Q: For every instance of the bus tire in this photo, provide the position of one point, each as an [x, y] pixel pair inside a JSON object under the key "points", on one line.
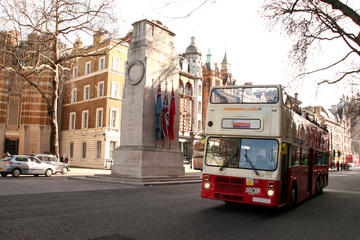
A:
{"points": [[293, 195]]}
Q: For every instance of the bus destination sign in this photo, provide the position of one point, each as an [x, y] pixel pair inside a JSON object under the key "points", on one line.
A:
{"points": [[241, 123]]}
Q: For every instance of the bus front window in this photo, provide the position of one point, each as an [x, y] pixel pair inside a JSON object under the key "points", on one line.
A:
{"points": [[269, 95], [245, 153]]}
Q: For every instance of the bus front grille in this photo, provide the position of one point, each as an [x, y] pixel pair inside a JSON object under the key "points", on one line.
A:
{"points": [[228, 197], [229, 184]]}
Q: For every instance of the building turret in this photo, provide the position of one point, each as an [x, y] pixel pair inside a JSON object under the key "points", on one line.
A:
{"points": [[193, 55], [225, 72], [208, 60]]}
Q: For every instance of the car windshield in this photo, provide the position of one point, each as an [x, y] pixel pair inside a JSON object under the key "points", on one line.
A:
{"points": [[245, 95], [245, 153]]}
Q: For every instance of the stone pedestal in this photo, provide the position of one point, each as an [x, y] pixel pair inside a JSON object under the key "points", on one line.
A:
{"points": [[152, 60]]}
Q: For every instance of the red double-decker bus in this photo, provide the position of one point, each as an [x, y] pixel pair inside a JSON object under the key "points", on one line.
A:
{"points": [[260, 150]]}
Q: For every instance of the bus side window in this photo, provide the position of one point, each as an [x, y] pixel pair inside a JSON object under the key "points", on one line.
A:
{"points": [[318, 158], [325, 158], [294, 156], [305, 156]]}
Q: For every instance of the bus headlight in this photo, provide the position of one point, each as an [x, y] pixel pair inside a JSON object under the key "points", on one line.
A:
{"points": [[270, 192], [207, 185]]}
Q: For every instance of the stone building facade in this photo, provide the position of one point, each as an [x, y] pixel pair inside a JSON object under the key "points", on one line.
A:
{"points": [[190, 91], [339, 128], [91, 109]]}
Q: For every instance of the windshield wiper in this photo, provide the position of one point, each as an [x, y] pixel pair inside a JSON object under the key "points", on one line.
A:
{"points": [[227, 162], [251, 164]]}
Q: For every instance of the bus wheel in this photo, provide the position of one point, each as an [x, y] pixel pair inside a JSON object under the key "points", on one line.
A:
{"points": [[293, 196], [319, 186]]}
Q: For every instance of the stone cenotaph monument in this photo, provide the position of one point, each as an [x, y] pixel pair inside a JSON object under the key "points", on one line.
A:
{"points": [[152, 60]]}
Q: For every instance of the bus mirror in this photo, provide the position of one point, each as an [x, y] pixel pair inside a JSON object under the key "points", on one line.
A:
{"points": [[283, 148]]}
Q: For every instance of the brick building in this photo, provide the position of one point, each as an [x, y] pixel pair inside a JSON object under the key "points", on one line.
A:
{"points": [[212, 76], [91, 110], [24, 122]]}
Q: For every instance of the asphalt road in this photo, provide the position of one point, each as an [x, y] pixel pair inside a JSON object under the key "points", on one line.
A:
{"points": [[61, 208]]}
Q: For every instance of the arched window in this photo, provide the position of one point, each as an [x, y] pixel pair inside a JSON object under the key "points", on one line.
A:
{"points": [[188, 89], [181, 87]]}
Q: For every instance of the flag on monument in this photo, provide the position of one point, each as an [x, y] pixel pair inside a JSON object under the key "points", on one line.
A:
{"points": [[157, 114], [165, 125], [172, 115]]}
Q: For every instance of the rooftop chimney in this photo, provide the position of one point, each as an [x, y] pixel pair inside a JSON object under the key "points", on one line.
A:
{"points": [[98, 37], [78, 43]]}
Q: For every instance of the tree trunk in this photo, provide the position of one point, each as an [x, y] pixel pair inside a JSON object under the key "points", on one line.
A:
{"points": [[54, 135]]}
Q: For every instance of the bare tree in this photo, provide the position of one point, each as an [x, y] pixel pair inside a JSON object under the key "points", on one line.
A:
{"points": [[319, 21], [43, 30]]}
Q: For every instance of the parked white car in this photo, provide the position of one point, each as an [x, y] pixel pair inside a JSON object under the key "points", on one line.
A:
{"points": [[61, 167], [17, 165]]}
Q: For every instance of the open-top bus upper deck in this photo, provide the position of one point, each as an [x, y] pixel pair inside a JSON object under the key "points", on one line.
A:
{"points": [[260, 111]]}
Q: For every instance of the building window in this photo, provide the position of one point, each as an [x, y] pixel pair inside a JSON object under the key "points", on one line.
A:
{"points": [[73, 95], [100, 91], [83, 155], [116, 64], [115, 87], [181, 87], [85, 119], [99, 117], [187, 105], [98, 149], [187, 123], [71, 150], [86, 92], [87, 67], [188, 89], [102, 63], [113, 117], [200, 90], [112, 149], [75, 72], [199, 126], [199, 107], [72, 121]]}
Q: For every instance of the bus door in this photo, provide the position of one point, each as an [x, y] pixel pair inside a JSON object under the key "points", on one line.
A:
{"points": [[284, 158], [311, 170]]}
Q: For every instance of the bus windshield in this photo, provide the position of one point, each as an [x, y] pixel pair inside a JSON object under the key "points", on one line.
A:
{"points": [[245, 153], [245, 95]]}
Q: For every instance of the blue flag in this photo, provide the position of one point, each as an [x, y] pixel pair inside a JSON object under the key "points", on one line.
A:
{"points": [[158, 113]]}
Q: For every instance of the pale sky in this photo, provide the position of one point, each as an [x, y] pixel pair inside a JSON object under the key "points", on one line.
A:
{"points": [[256, 54]]}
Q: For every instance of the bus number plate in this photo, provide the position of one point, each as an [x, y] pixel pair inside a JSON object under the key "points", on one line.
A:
{"points": [[252, 190]]}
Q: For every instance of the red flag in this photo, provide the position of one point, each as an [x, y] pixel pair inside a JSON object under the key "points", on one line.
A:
{"points": [[172, 115], [165, 116]]}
